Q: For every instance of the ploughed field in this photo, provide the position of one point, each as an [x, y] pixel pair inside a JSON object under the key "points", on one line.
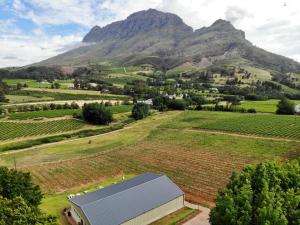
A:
{"points": [[200, 162]]}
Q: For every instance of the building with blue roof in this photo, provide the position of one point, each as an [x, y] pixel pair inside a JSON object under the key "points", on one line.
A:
{"points": [[138, 201]]}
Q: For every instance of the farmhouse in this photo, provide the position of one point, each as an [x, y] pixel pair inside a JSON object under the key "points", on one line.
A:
{"points": [[138, 201]]}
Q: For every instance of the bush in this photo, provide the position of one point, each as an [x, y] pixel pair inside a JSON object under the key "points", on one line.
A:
{"points": [[264, 194], [178, 104], [74, 105], [140, 111], [251, 110], [96, 113], [285, 107]]}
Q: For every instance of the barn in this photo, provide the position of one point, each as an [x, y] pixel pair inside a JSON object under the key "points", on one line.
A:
{"points": [[138, 201]]}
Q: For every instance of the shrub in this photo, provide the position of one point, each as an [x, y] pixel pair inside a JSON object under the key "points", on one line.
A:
{"points": [[140, 111], [96, 113], [285, 107], [178, 104], [264, 194], [74, 105], [251, 110]]}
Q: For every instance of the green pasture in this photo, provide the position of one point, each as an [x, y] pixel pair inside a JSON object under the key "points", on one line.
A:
{"points": [[35, 84], [268, 106]]}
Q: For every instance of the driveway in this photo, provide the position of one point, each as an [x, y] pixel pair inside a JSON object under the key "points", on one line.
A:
{"points": [[202, 218]]}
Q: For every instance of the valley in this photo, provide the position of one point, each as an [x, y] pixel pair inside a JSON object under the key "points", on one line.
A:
{"points": [[150, 94]]}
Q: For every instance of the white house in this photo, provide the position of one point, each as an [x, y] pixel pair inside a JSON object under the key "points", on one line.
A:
{"points": [[147, 102]]}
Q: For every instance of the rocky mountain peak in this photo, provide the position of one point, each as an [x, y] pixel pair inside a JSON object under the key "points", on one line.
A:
{"points": [[139, 22]]}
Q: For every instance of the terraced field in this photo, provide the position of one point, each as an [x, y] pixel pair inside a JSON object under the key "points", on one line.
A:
{"points": [[11, 130]]}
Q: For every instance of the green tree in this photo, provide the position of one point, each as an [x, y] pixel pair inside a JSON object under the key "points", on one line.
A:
{"points": [[285, 107], [55, 85], [17, 212], [20, 200], [97, 113], [266, 194], [14, 183], [140, 111], [178, 104]]}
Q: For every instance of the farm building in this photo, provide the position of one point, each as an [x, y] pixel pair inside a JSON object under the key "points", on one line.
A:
{"points": [[297, 109], [138, 201]]}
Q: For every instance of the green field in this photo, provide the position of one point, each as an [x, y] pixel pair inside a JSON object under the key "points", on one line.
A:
{"points": [[122, 79], [128, 69], [35, 84], [172, 143], [268, 106], [61, 94], [11, 130], [43, 114], [13, 99], [250, 124], [62, 112]]}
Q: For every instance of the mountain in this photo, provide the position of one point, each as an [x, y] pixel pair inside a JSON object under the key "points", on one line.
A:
{"points": [[164, 40]]}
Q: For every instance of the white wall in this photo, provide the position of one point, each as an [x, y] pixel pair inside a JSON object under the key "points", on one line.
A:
{"points": [[157, 213]]}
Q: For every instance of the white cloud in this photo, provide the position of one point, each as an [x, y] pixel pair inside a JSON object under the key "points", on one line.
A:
{"points": [[19, 50], [270, 24]]}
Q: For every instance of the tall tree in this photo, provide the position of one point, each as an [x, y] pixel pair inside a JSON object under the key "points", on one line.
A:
{"points": [[266, 194]]}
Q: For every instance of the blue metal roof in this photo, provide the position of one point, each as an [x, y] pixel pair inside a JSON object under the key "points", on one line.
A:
{"points": [[121, 202]]}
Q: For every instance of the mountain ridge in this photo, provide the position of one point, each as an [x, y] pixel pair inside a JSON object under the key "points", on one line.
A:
{"points": [[163, 39]]}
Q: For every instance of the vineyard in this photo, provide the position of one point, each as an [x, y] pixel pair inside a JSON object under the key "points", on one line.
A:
{"points": [[44, 114], [253, 124], [261, 125], [62, 112], [11, 130]]}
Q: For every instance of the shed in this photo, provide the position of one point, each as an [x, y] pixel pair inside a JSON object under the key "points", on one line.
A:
{"points": [[138, 201]]}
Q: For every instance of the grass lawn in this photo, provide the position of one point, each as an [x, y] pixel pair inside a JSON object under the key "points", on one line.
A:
{"points": [[177, 217], [268, 106]]}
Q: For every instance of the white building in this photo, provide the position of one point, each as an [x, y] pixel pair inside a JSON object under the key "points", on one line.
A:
{"points": [[297, 108]]}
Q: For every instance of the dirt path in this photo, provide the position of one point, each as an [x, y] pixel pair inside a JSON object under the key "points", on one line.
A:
{"points": [[202, 218]]}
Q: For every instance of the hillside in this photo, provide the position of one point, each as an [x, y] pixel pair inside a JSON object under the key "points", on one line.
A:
{"points": [[164, 40]]}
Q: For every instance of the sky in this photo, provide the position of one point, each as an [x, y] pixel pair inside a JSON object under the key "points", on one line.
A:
{"points": [[34, 30]]}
